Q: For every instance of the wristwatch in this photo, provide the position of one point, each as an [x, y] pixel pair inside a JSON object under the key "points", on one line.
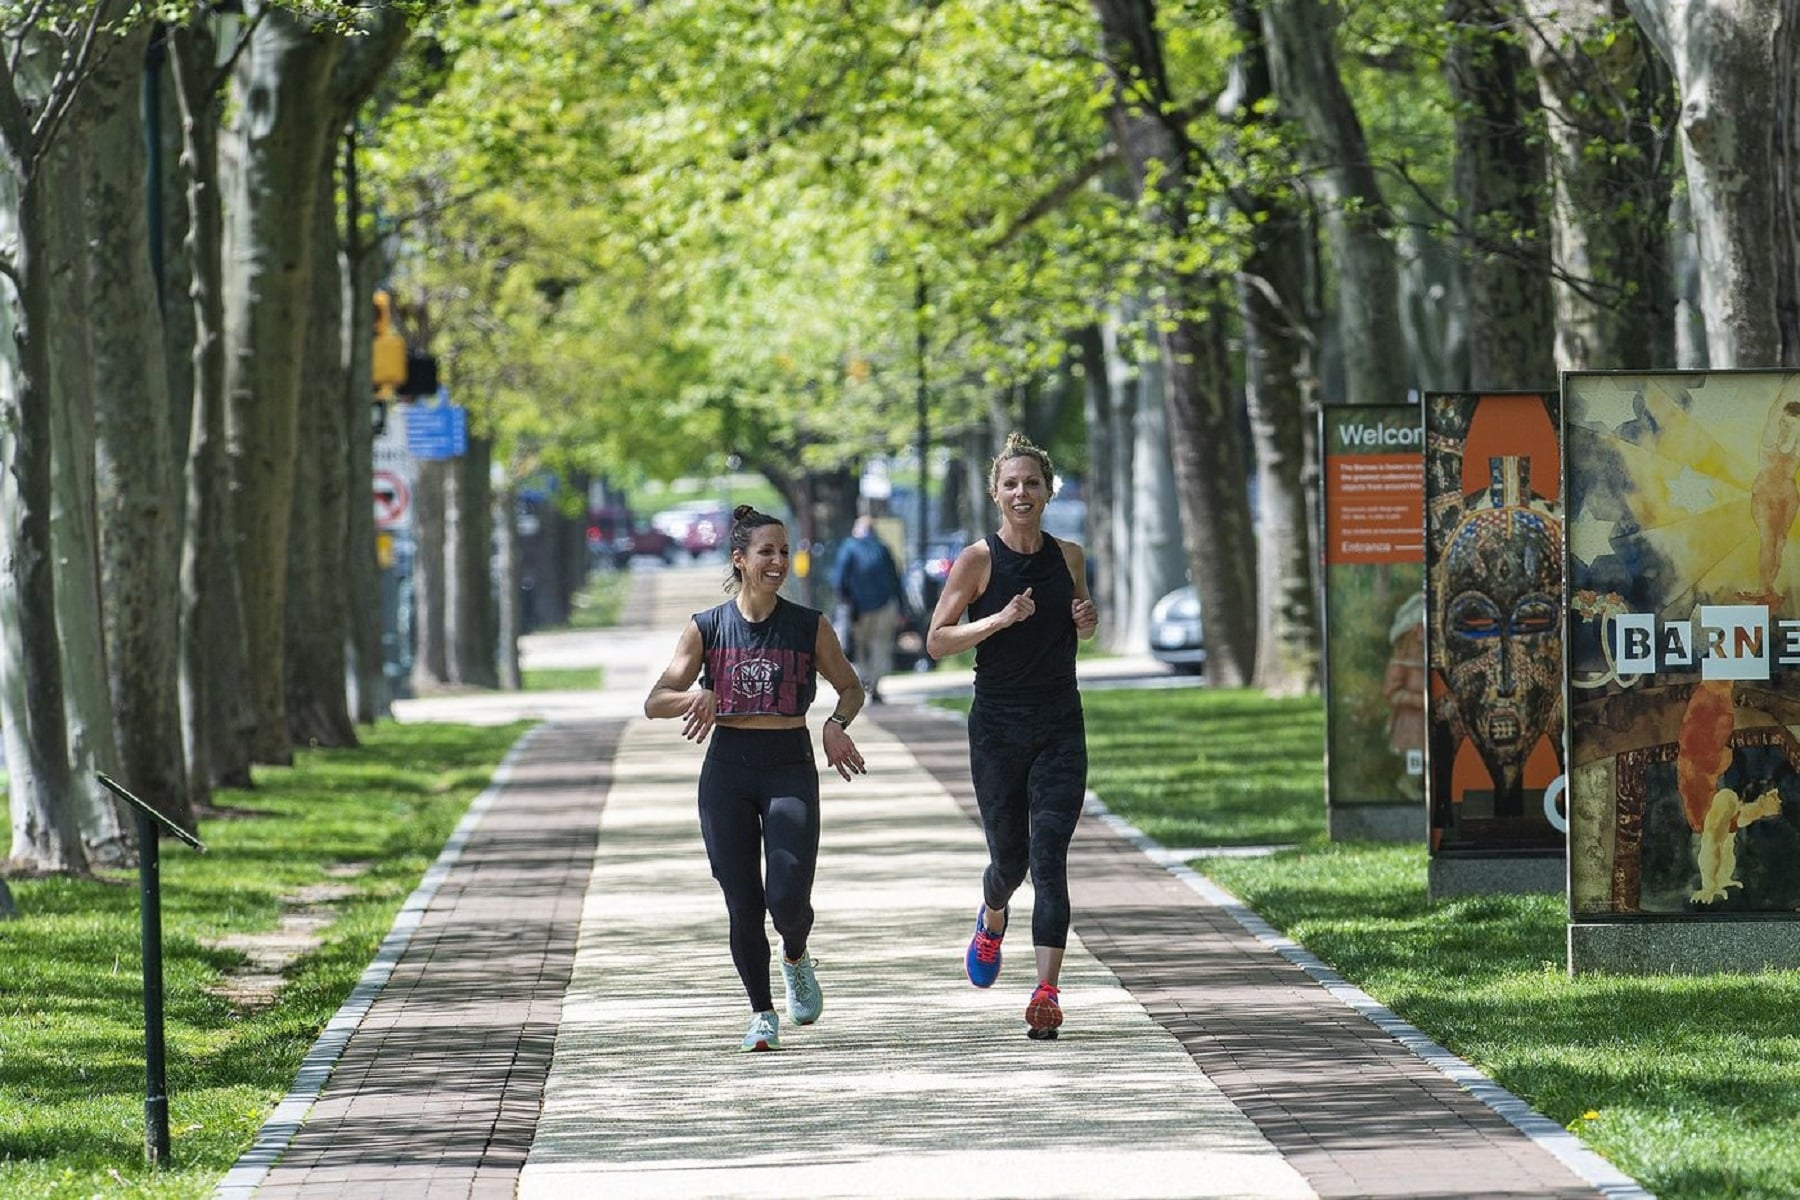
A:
{"points": [[843, 722]]}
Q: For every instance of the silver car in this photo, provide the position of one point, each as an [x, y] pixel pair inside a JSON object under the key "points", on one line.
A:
{"points": [[1175, 633]]}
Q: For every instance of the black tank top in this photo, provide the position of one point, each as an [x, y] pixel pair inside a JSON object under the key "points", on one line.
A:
{"points": [[762, 668], [1034, 660]]}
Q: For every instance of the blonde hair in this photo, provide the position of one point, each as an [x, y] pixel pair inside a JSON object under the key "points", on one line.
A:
{"points": [[1020, 446]]}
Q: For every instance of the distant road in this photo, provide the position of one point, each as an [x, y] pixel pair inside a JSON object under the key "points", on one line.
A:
{"points": [[659, 603]]}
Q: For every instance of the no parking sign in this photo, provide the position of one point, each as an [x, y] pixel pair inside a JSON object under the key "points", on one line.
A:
{"points": [[393, 501]]}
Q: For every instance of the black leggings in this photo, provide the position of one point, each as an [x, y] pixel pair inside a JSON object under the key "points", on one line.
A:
{"points": [[1029, 765], [759, 817]]}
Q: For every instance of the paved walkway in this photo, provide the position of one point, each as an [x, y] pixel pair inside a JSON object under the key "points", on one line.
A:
{"points": [[556, 1016]]}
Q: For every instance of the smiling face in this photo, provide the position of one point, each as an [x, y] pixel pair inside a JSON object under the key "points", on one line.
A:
{"points": [[762, 565], [1021, 488]]}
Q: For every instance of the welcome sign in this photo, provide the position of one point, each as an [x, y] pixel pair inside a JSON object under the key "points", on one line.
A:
{"points": [[1375, 683]]}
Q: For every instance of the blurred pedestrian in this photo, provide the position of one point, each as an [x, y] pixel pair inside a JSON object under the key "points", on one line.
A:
{"points": [[867, 580], [1025, 596], [757, 658]]}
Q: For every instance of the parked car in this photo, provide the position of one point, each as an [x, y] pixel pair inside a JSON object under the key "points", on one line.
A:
{"points": [[1175, 630], [706, 532], [644, 541], [924, 577]]}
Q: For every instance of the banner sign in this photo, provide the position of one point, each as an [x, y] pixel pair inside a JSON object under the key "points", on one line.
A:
{"points": [[1684, 643], [1493, 620], [1374, 486]]}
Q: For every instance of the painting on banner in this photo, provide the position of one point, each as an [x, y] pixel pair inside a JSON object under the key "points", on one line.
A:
{"points": [[1684, 643], [1493, 619], [1374, 480]]}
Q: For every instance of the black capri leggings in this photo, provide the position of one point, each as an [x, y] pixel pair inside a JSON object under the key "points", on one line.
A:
{"points": [[759, 817], [1029, 765]]}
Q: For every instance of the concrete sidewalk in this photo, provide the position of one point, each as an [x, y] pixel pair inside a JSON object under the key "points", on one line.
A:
{"points": [[912, 1083], [558, 1017]]}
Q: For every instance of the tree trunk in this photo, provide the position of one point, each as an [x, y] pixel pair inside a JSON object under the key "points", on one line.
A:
{"points": [[1281, 393], [1159, 561], [476, 637], [1787, 181], [218, 717], [46, 835], [1205, 444], [1724, 53], [134, 479], [367, 679], [506, 587], [430, 658], [1600, 86], [1500, 190], [277, 149], [1303, 64], [74, 525], [1210, 481], [318, 710], [362, 63], [1103, 483]]}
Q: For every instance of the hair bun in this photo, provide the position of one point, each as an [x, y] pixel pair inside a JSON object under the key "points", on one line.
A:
{"points": [[742, 511]]}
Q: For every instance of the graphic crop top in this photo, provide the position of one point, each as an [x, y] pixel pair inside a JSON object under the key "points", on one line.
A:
{"points": [[760, 668]]}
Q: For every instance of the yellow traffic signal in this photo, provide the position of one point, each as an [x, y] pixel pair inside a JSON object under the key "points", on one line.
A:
{"points": [[389, 370]]}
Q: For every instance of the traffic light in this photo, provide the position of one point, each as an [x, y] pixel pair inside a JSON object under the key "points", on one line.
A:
{"points": [[389, 370]]}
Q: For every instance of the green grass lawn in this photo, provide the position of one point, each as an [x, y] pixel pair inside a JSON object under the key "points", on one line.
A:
{"points": [[562, 679], [370, 820], [1690, 1085]]}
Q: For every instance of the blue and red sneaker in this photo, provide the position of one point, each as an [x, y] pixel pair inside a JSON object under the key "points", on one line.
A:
{"points": [[983, 959]]}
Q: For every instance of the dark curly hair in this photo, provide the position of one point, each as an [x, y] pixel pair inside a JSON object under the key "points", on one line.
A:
{"points": [[745, 521]]}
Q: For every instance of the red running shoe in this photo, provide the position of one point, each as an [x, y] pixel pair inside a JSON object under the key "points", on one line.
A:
{"points": [[1043, 1014]]}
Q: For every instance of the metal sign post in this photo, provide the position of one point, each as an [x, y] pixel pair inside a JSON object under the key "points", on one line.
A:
{"points": [[150, 825]]}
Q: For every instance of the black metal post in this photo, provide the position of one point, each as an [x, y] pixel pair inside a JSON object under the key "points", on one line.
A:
{"points": [[150, 825], [156, 1087], [924, 427]]}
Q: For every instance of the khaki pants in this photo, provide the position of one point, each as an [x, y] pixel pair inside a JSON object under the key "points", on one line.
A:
{"points": [[874, 644]]}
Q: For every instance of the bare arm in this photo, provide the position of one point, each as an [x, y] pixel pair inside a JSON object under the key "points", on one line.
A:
{"points": [[949, 634], [1087, 617], [840, 749], [670, 695]]}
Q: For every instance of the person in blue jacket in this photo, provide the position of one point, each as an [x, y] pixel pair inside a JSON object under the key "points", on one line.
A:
{"points": [[867, 581]]}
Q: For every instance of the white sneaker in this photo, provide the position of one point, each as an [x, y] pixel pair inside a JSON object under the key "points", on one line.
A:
{"points": [[764, 1033], [804, 1000]]}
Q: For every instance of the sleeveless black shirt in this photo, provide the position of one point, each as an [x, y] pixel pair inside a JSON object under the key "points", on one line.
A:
{"points": [[761, 668], [1033, 661]]}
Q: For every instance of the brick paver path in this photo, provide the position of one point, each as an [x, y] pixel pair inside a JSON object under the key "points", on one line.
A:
{"points": [[437, 1092]]}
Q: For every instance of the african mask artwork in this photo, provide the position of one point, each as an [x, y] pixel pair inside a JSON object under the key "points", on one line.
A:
{"points": [[1501, 617]]}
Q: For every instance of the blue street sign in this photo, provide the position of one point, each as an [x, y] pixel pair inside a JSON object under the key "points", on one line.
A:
{"points": [[437, 431]]}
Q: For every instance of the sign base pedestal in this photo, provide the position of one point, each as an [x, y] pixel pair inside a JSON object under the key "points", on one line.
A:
{"points": [[1495, 875], [1376, 822], [1690, 946]]}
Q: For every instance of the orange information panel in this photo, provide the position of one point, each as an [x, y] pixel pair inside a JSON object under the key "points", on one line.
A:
{"points": [[1377, 503]]}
